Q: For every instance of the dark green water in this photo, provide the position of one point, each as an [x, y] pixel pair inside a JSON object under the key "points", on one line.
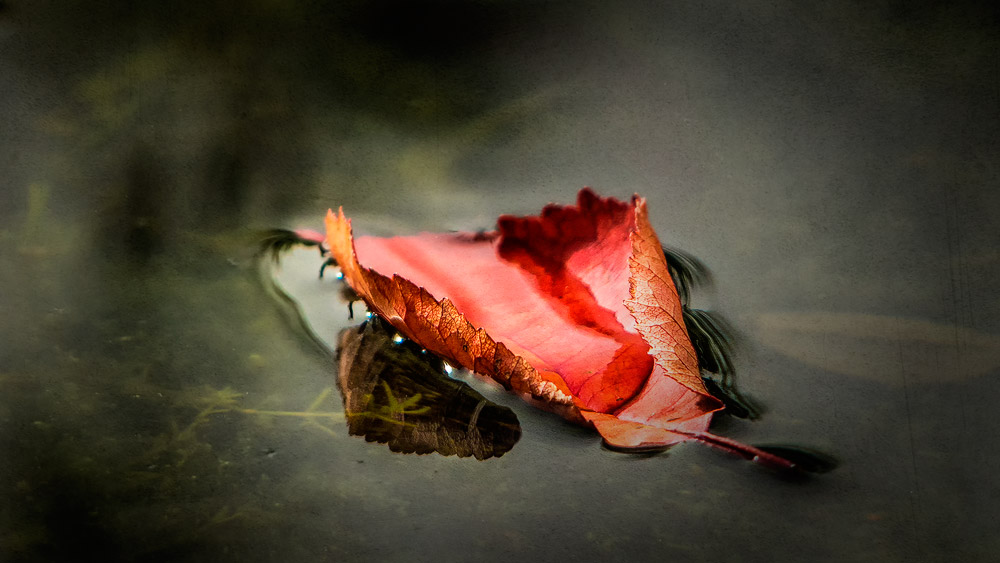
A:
{"points": [[836, 168]]}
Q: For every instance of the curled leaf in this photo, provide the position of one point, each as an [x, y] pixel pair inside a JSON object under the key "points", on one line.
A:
{"points": [[575, 309]]}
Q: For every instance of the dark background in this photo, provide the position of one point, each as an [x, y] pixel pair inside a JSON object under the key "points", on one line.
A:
{"points": [[835, 165]]}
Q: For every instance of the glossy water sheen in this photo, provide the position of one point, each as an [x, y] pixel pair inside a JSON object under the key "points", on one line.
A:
{"points": [[834, 167]]}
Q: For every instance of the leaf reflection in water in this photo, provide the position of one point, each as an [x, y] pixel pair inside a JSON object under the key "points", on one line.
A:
{"points": [[395, 394]]}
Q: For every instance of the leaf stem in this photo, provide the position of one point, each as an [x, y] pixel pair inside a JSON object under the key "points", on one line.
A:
{"points": [[745, 451]]}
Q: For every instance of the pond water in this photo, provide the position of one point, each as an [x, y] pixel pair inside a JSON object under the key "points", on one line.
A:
{"points": [[835, 168]]}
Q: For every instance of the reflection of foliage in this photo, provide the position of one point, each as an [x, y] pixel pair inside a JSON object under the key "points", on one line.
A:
{"points": [[397, 394], [182, 444], [393, 411], [310, 415], [32, 239], [169, 127], [125, 404], [202, 108]]}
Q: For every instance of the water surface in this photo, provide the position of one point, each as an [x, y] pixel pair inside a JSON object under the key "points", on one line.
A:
{"points": [[835, 168]]}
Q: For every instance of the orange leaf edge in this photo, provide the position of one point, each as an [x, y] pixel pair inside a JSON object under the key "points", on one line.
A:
{"points": [[647, 266], [415, 313]]}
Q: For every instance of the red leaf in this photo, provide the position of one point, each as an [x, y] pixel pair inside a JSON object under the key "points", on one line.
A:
{"points": [[574, 308]]}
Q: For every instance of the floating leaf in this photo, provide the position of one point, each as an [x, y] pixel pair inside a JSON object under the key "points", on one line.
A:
{"points": [[574, 309]]}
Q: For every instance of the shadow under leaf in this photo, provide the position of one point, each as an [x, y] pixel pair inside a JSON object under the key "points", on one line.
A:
{"points": [[396, 394]]}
